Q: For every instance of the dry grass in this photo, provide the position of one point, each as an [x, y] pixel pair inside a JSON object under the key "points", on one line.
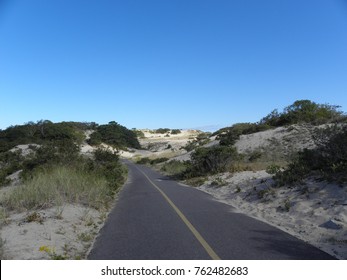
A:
{"points": [[57, 186]]}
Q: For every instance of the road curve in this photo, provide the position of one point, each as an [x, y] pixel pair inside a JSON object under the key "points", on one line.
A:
{"points": [[157, 218]]}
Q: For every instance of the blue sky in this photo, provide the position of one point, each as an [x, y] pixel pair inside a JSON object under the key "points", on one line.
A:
{"points": [[168, 63]]}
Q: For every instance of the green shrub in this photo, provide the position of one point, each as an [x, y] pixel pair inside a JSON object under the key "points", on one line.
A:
{"points": [[329, 159], [162, 130], [176, 131], [41, 132], [9, 163], [158, 160], [106, 164], [59, 152], [273, 169], [211, 160], [144, 160], [115, 135], [303, 111], [95, 139], [190, 146], [229, 136], [201, 139], [175, 168]]}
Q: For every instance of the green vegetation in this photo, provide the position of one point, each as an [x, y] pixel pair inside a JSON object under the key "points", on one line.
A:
{"points": [[55, 172], [139, 133], [144, 160], [228, 136], [162, 130], [303, 111], [201, 139], [176, 131], [114, 135], [9, 163], [56, 186], [211, 160], [147, 160], [204, 161], [85, 181], [107, 164], [42, 132], [175, 168], [88, 183], [328, 160], [62, 152]]}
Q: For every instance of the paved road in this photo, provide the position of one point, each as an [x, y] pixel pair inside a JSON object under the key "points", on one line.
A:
{"points": [[157, 218]]}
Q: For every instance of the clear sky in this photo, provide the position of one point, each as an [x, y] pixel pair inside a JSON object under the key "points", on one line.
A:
{"points": [[168, 63]]}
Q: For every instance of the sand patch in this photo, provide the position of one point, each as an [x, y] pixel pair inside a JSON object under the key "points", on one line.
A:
{"points": [[66, 231]]}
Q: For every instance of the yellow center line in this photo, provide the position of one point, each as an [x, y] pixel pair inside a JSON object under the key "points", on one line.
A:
{"points": [[197, 235]]}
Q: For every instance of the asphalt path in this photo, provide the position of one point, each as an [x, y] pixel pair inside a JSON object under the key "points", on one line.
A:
{"points": [[156, 218]]}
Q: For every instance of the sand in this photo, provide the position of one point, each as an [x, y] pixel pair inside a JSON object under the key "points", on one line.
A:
{"points": [[161, 145], [66, 231]]}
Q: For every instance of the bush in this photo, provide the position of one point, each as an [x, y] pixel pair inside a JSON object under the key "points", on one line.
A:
{"points": [[60, 152], [162, 130], [329, 159], [176, 168], [190, 146], [95, 139], [176, 131], [229, 136], [114, 135], [211, 160], [9, 163], [158, 160], [144, 160], [303, 111], [147, 160], [106, 163], [40, 133], [201, 139], [273, 169]]}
